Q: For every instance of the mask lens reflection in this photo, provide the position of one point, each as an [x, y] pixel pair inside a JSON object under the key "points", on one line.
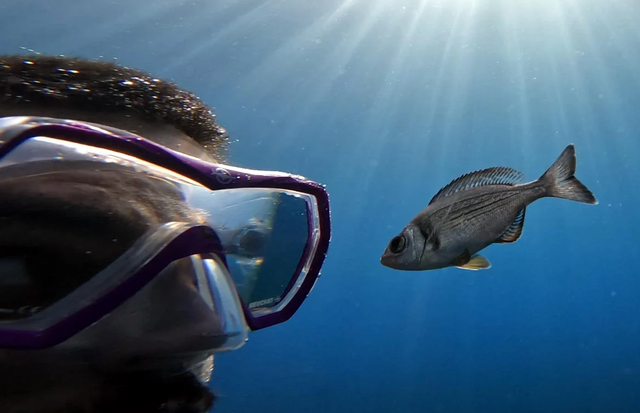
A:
{"points": [[264, 233]]}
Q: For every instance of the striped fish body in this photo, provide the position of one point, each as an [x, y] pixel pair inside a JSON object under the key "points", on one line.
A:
{"points": [[477, 210], [467, 222]]}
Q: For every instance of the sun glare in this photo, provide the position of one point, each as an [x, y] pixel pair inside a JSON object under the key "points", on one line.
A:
{"points": [[415, 73]]}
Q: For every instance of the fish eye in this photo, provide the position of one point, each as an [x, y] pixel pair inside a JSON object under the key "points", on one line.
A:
{"points": [[397, 244]]}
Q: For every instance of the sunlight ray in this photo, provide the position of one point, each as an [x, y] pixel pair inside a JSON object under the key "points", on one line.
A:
{"points": [[517, 55], [233, 29], [133, 17], [321, 79], [584, 91], [601, 94], [417, 42], [450, 96], [281, 63]]}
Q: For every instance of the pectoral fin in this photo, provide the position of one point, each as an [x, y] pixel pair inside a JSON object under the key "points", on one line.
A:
{"points": [[477, 262], [514, 231]]}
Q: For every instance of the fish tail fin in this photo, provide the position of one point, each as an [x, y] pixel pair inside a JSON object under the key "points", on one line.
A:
{"points": [[560, 182]]}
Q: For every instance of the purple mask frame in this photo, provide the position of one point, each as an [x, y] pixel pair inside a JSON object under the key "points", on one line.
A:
{"points": [[212, 176]]}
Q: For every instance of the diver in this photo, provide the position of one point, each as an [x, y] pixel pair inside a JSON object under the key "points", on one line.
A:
{"points": [[117, 284]]}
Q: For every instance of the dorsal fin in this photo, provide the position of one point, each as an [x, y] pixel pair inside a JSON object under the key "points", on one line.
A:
{"points": [[500, 175], [514, 231]]}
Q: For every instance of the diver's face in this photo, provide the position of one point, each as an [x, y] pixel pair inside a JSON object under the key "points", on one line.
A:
{"points": [[71, 222]]}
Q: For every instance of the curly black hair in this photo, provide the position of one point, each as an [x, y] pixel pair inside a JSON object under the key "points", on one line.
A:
{"points": [[99, 86]]}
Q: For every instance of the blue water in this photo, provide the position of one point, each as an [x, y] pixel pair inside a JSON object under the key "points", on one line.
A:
{"points": [[385, 101]]}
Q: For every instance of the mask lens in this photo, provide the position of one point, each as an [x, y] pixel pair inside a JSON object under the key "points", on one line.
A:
{"points": [[265, 234]]}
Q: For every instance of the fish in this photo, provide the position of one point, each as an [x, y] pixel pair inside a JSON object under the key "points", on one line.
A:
{"points": [[476, 210]]}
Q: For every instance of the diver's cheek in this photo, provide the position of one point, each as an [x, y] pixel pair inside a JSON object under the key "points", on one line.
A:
{"points": [[166, 318]]}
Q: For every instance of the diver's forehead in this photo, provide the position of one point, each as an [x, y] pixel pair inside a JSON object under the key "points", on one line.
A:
{"points": [[156, 131]]}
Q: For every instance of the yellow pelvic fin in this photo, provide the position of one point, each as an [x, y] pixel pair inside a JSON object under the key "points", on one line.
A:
{"points": [[477, 262]]}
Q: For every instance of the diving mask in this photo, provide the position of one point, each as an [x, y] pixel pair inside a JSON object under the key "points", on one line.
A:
{"points": [[253, 241]]}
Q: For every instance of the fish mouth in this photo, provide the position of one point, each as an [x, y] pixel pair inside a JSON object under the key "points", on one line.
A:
{"points": [[387, 259]]}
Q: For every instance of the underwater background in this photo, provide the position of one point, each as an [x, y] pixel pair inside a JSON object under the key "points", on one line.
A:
{"points": [[385, 102]]}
